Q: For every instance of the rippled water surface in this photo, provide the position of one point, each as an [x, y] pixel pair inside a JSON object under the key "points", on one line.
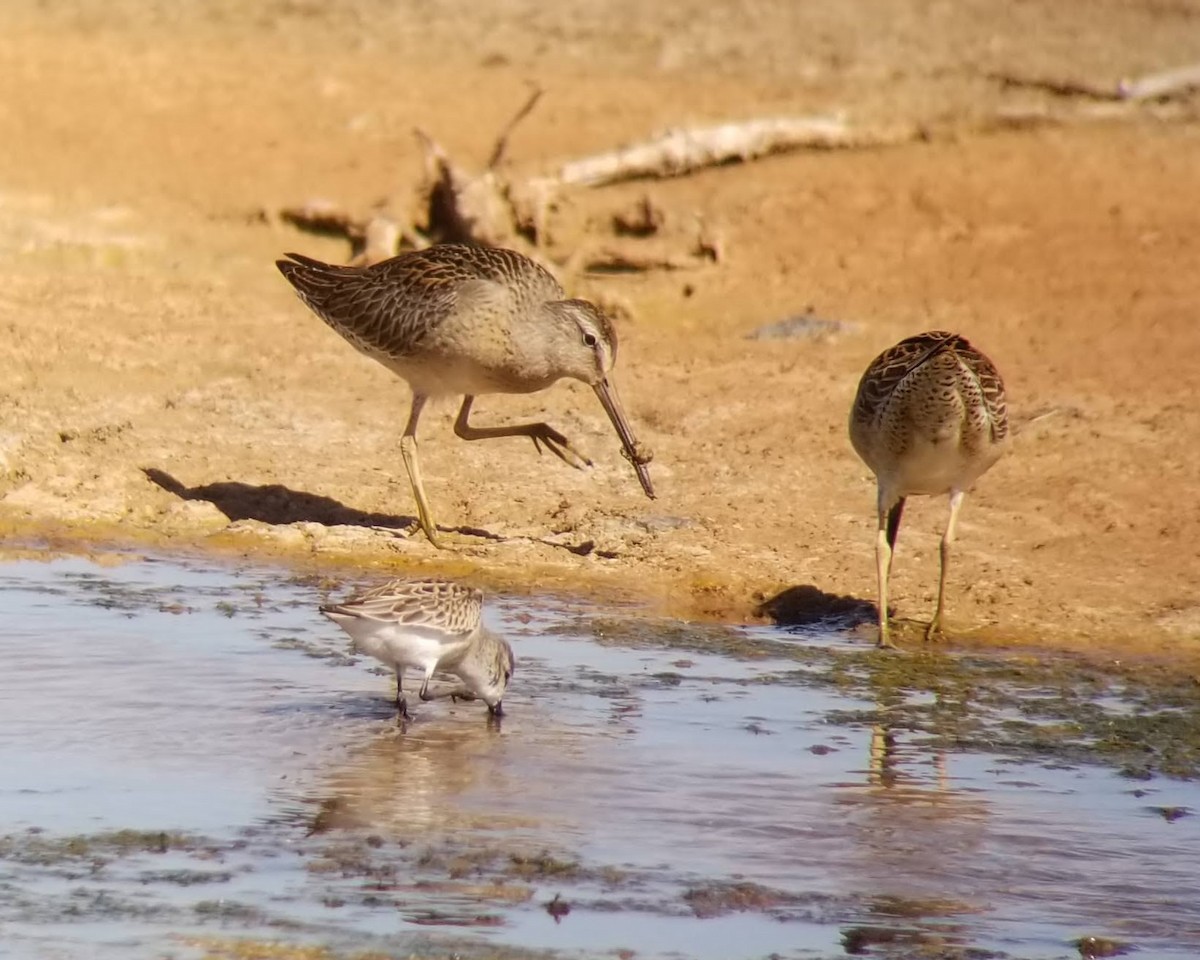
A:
{"points": [[191, 757]]}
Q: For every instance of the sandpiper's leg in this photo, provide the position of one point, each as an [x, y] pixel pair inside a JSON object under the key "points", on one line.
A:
{"points": [[453, 693], [935, 625], [401, 703], [539, 433], [408, 447], [885, 547], [425, 694], [893, 531]]}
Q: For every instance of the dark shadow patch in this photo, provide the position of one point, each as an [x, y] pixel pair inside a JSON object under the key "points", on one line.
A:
{"points": [[279, 505], [366, 706], [275, 503], [808, 605]]}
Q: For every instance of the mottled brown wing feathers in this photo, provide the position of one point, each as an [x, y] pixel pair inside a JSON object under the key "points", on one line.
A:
{"points": [[390, 307], [991, 386], [896, 364], [440, 604], [890, 368]]}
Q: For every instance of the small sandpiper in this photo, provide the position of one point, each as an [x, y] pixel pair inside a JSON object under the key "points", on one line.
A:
{"points": [[431, 625]]}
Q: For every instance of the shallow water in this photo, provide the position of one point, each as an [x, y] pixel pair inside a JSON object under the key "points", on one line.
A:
{"points": [[687, 791]]}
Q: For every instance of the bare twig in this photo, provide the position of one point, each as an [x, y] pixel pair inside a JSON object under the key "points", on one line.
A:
{"points": [[678, 152], [502, 140], [643, 219], [636, 258], [1153, 86], [1022, 422], [1029, 117], [1060, 86], [1157, 85], [463, 208], [710, 240], [322, 217], [380, 240]]}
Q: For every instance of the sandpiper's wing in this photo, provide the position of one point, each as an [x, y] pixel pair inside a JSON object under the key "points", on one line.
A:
{"points": [[958, 363], [390, 308], [892, 367], [450, 609]]}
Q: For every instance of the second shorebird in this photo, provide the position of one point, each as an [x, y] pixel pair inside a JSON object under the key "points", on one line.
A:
{"points": [[930, 417], [430, 625], [463, 319]]}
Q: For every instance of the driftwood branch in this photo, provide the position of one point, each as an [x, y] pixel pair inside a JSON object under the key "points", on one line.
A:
{"points": [[681, 151], [322, 217], [1059, 86], [1155, 86], [496, 209], [372, 238], [636, 258], [1035, 116], [501, 144], [463, 208]]}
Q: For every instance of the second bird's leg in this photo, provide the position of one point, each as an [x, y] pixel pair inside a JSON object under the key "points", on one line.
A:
{"points": [[885, 549], [893, 531], [408, 448], [401, 703], [454, 693], [935, 625], [539, 433], [424, 693]]}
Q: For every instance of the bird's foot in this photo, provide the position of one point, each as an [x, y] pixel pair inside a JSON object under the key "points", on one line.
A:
{"points": [[557, 444], [431, 534]]}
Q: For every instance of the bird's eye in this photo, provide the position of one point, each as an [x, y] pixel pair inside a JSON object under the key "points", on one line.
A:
{"points": [[589, 339]]}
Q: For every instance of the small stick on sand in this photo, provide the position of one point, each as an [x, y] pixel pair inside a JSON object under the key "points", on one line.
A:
{"points": [[1155, 86], [681, 151]]}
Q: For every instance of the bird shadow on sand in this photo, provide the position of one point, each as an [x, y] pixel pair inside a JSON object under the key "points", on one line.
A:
{"points": [[809, 605], [279, 505], [275, 504]]}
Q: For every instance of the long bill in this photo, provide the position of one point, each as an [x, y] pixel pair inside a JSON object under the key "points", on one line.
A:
{"points": [[635, 453]]}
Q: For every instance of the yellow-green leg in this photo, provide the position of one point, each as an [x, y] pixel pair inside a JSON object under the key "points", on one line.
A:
{"points": [[885, 549], [408, 448], [935, 625], [539, 433]]}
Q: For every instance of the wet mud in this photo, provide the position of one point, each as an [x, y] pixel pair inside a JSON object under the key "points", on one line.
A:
{"points": [[196, 765]]}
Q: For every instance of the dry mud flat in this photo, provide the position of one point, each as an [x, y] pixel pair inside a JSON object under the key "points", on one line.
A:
{"points": [[164, 388]]}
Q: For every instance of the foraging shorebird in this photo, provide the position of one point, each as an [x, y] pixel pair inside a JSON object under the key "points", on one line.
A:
{"points": [[463, 319], [430, 625], [930, 417]]}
